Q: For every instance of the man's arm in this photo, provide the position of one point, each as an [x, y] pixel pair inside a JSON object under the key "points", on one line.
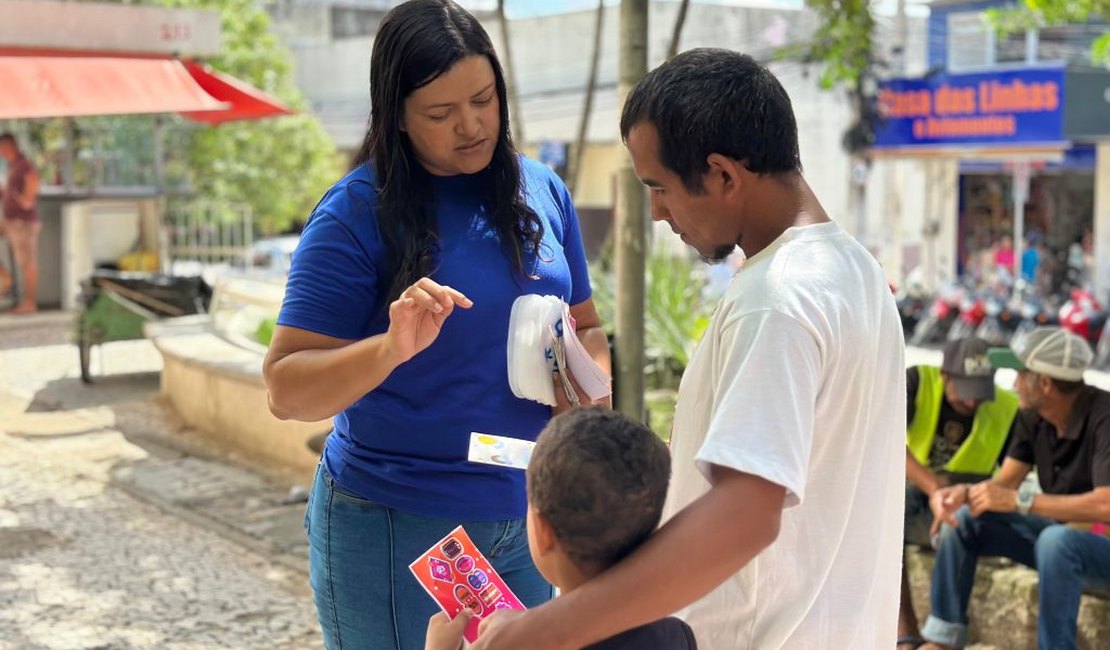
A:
{"points": [[1013, 472], [922, 477], [999, 494], [705, 544], [30, 191], [1080, 508], [946, 501], [1092, 506]]}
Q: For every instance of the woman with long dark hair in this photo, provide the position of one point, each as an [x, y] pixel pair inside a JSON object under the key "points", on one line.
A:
{"points": [[395, 322]]}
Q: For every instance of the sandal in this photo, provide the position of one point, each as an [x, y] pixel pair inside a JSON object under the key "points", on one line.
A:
{"points": [[911, 641]]}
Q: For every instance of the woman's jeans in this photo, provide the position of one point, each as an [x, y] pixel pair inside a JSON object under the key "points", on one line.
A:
{"points": [[359, 556], [1066, 560]]}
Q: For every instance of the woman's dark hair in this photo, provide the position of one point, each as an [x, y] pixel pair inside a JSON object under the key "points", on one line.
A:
{"points": [[417, 42]]}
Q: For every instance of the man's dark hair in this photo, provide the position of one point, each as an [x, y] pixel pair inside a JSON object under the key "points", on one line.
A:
{"points": [[9, 138], [707, 101], [600, 480]]}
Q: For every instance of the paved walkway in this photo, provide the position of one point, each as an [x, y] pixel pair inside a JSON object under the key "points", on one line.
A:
{"points": [[118, 530]]}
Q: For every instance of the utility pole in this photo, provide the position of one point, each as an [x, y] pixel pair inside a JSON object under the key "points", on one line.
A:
{"points": [[510, 78], [631, 227], [575, 171], [894, 170]]}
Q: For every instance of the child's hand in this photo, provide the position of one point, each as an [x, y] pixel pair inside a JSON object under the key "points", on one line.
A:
{"points": [[447, 634]]}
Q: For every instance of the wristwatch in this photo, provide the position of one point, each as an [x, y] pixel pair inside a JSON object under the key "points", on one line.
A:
{"points": [[1025, 501]]}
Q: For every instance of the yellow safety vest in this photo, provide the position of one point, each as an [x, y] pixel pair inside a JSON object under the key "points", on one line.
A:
{"points": [[980, 451]]}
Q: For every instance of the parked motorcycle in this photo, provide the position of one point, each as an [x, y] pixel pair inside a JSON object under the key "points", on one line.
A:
{"points": [[1102, 351], [999, 321], [943, 312], [911, 309], [1083, 315], [972, 313], [1035, 312]]}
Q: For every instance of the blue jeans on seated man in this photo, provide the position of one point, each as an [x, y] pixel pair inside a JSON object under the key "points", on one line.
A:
{"points": [[1066, 560], [359, 556]]}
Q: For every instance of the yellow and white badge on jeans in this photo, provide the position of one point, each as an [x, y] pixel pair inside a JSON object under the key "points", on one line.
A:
{"points": [[500, 450]]}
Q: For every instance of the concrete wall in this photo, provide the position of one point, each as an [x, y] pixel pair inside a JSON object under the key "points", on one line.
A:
{"points": [[217, 389], [1004, 605], [597, 183]]}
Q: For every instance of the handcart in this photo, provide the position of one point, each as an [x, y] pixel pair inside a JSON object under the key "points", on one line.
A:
{"points": [[117, 305]]}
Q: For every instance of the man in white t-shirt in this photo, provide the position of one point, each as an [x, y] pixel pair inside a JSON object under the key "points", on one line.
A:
{"points": [[786, 504]]}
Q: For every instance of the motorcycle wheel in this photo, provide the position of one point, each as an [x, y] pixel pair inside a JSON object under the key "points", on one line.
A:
{"points": [[924, 330], [960, 329]]}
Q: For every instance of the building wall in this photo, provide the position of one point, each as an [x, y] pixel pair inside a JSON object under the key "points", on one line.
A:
{"points": [[550, 68]]}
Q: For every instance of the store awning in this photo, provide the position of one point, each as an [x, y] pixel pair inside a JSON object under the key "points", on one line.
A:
{"points": [[62, 86], [246, 102]]}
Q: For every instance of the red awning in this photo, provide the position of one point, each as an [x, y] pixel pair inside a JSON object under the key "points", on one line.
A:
{"points": [[73, 86], [247, 102]]}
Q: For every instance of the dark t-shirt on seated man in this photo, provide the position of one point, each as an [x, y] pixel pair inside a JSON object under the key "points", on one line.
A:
{"points": [[1075, 463], [952, 430]]}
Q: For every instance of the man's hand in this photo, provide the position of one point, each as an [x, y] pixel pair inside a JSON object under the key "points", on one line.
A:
{"points": [[989, 496], [495, 628], [447, 634], [944, 503]]}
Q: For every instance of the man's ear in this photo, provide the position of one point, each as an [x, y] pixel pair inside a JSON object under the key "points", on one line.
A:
{"points": [[727, 175]]}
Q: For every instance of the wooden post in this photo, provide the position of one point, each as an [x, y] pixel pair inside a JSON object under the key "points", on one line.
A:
{"points": [[631, 227]]}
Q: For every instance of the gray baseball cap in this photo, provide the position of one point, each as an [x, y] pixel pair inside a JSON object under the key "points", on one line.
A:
{"points": [[968, 369], [1051, 351]]}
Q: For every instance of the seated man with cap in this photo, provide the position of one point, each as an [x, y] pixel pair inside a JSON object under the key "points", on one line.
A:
{"points": [[958, 423], [1064, 430]]}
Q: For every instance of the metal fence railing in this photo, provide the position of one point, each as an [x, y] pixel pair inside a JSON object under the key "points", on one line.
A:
{"points": [[204, 234]]}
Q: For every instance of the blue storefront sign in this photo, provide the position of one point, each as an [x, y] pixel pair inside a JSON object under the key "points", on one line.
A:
{"points": [[997, 108]]}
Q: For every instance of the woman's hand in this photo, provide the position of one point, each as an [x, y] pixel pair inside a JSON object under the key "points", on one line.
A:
{"points": [[562, 401], [417, 316]]}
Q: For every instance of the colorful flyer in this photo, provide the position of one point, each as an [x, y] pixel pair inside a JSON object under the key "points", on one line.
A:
{"points": [[457, 576], [499, 450]]}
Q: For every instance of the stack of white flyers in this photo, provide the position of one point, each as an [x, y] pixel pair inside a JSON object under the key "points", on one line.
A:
{"points": [[541, 340]]}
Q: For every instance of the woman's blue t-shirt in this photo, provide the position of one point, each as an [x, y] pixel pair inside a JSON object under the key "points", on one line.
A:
{"points": [[404, 444]]}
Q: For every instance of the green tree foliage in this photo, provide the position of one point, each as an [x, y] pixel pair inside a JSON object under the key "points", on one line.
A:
{"points": [[843, 46], [677, 313], [1032, 14], [843, 43], [280, 166]]}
